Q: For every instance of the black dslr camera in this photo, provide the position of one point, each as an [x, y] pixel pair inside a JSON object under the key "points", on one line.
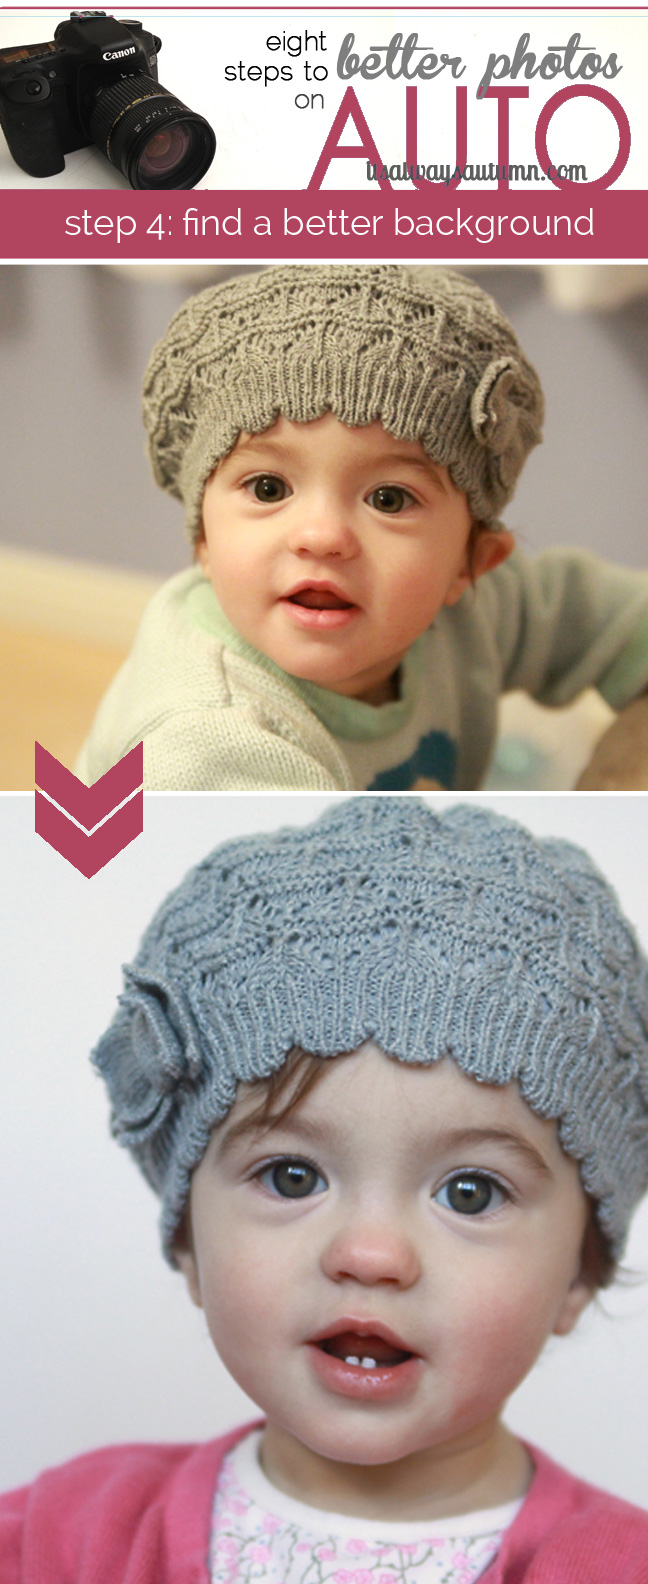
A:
{"points": [[96, 82]]}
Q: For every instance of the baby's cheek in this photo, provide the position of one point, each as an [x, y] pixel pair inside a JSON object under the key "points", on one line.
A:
{"points": [[235, 575], [230, 1314], [416, 595], [491, 1358], [516, 1330], [238, 1300]]}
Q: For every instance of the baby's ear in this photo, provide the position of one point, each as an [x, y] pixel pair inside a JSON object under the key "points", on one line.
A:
{"points": [[486, 550], [201, 553], [491, 546], [575, 1301], [186, 1260]]}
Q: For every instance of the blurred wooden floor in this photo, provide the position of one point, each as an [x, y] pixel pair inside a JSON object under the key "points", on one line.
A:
{"points": [[65, 628], [51, 687]]}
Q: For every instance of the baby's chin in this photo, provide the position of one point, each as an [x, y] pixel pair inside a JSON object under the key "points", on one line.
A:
{"points": [[377, 684], [383, 692], [367, 1440]]}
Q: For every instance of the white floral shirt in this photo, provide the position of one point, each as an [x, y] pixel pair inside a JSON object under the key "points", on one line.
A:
{"points": [[261, 1536]]}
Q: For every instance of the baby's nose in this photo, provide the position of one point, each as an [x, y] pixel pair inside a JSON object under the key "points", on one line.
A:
{"points": [[371, 1251], [323, 530]]}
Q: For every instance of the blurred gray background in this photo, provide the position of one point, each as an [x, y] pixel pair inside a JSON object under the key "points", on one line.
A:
{"points": [[75, 340]]}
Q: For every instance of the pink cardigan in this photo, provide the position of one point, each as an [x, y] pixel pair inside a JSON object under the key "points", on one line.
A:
{"points": [[141, 1515]]}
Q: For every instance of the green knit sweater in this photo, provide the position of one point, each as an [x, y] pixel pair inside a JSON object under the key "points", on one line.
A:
{"points": [[215, 714]]}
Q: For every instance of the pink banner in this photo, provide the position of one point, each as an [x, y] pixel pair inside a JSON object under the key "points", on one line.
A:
{"points": [[89, 851], [431, 222], [88, 805]]}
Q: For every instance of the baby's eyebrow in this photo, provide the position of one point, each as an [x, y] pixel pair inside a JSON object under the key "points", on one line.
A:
{"points": [[265, 445], [310, 1131], [256, 444], [422, 464], [254, 1126], [460, 1138]]}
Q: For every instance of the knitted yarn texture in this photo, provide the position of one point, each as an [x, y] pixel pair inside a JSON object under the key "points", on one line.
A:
{"points": [[433, 934], [425, 351]]}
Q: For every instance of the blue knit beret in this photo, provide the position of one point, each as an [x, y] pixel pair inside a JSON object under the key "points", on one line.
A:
{"points": [[453, 933]]}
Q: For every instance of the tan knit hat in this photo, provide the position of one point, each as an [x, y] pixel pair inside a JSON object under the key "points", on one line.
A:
{"points": [[423, 350]]}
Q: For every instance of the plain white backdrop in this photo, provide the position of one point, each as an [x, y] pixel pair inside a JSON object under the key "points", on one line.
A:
{"points": [[99, 1341]]}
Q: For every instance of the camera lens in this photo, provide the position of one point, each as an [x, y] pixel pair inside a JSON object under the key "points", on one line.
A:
{"points": [[165, 152], [149, 135]]}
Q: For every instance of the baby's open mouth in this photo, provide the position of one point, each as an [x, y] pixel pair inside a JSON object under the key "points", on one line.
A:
{"points": [[369, 1352], [319, 599]]}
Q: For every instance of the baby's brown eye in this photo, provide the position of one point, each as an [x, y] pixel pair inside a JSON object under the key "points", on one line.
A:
{"points": [[292, 1179], [470, 1193], [390, 498], [267, 487]]}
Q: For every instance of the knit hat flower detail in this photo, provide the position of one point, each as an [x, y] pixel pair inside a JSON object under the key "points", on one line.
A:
{"points": [[166, 1057], [501, 422]]}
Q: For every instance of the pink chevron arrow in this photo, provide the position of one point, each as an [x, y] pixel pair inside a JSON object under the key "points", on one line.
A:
{"points": [[89, 825]]}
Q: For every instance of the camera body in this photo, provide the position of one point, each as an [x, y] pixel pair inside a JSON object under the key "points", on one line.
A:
{"points": [[48, 91], [96, 82]]}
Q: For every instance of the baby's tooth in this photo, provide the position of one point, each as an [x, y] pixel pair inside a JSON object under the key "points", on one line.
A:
{"points": [[352, 1359], [368, 1363]]}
